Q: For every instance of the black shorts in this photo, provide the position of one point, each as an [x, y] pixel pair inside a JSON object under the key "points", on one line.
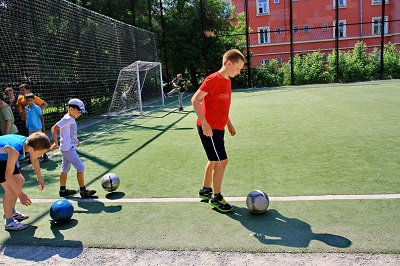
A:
{"points": [[3, 166], [215, 145]]}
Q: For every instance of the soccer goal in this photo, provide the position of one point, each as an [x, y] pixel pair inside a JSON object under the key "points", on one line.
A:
{"points": [[139, 86]]}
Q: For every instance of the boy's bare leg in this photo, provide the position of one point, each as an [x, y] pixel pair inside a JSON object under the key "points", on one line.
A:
{"points": [[63, 179], [208, 174], [218, 174], [10, 198], [81, 180]]}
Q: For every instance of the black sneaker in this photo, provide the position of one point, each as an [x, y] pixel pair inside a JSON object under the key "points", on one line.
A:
{"points": [[88, 193], [205, 194], [220, 205], [67, 192]]}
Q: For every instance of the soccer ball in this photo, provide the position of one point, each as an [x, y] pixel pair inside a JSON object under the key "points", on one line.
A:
{"points": [[61, 211], [110, 182], [257, 201]]}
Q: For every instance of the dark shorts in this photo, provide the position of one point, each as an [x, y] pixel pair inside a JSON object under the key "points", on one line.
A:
{"points": [[3, 166], [215, 145]]}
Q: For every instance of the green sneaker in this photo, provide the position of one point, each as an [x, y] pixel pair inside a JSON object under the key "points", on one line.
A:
{"points": [[220, 205], [205, 194]]}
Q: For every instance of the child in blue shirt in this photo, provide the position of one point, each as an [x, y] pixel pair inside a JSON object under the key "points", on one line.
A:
{"points": [[13, 148], [34, 118]]}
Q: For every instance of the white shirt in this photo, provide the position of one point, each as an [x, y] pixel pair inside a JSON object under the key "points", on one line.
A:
{"points": [[68, 132]]}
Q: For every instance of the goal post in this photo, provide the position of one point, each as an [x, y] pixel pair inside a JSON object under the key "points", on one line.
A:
{"points": [[139, 85]]}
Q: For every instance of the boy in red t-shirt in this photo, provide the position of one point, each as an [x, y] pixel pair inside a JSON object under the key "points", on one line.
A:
{"points": [[211, 103]]}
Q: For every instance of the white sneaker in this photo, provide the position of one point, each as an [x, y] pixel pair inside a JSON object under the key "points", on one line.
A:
{"points": [[15, 226], [20, 216]]}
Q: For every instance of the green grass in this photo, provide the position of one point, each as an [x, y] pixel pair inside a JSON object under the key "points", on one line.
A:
{"points": [[308, 140]]}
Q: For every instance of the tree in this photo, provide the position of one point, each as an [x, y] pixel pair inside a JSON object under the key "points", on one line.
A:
{"points": [[197, 33]]}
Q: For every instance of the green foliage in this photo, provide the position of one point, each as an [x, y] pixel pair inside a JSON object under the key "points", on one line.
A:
{"points": [[269, 75], [318, 68]]}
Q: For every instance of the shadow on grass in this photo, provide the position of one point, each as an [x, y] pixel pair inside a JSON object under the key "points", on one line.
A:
{"points": [[42, 248], [272, 228], [97, 207]]}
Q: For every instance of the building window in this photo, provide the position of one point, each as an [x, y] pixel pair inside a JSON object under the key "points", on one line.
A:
{"points": [[376, 26], [264, 62], [227, 11], [296, 29], [325, 27], [342, 3], [342, 28], [278, 31], [262, 7], [379, 1], [263, 35], [306, 28], [279, 61], [276, 1]]}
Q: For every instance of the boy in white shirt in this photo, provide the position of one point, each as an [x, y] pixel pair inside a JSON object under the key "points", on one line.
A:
{"points": [[68, 139]]}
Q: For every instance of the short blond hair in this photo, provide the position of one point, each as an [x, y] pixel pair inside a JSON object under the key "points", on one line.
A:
{"points": [[233, 55]]}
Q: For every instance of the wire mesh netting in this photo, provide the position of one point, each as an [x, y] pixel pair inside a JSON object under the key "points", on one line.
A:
{"points": [[64, 51]]}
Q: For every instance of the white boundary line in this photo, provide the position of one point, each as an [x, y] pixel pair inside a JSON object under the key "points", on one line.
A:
{"points": [[177, 200]]}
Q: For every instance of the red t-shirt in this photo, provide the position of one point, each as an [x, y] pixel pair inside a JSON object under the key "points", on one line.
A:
{"points": [[216, 103]]}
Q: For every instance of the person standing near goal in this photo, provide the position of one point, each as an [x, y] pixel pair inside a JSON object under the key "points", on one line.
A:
{"points": [[179, 86], [211, 103], [69, 141]]}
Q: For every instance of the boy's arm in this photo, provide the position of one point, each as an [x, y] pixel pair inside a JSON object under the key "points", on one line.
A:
{"points": [[36, 166], [196, 102], [42, 119], [54, 130], [11, 161], [8, 126], [231, 129]]}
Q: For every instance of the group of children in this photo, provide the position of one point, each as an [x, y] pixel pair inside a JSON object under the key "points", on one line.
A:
{"points": [[14, 147], [211, 103]]}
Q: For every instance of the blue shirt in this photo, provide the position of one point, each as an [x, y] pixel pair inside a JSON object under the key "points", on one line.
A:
{"points": [[16, 142], [33, 121]]}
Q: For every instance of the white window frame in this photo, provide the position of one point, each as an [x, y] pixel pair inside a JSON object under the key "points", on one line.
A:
{"points": [[226, 9], [264, 61], [276, 1], [264, 36], [342, 28], [296, 29], [278, 31], [375, 2], [325, 27], [279, 61], [306, 28], [376, 25], [262, 7], [342, 3]]}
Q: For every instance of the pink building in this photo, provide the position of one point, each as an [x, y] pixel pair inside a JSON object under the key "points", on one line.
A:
{"points": [[314, 26]]}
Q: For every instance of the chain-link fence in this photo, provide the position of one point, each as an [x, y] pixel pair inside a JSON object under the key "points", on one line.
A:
{"points": [[64, 51]]}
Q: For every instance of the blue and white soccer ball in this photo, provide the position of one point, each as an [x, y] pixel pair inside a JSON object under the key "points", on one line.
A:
{"points": [[257, 201], [110, 182]]}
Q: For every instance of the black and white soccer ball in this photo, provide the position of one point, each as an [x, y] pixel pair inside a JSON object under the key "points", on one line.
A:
{"points": [[257, 201], [110, 182]]}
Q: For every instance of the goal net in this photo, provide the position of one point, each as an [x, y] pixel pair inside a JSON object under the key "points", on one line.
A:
{"points": [[139, 86]]}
